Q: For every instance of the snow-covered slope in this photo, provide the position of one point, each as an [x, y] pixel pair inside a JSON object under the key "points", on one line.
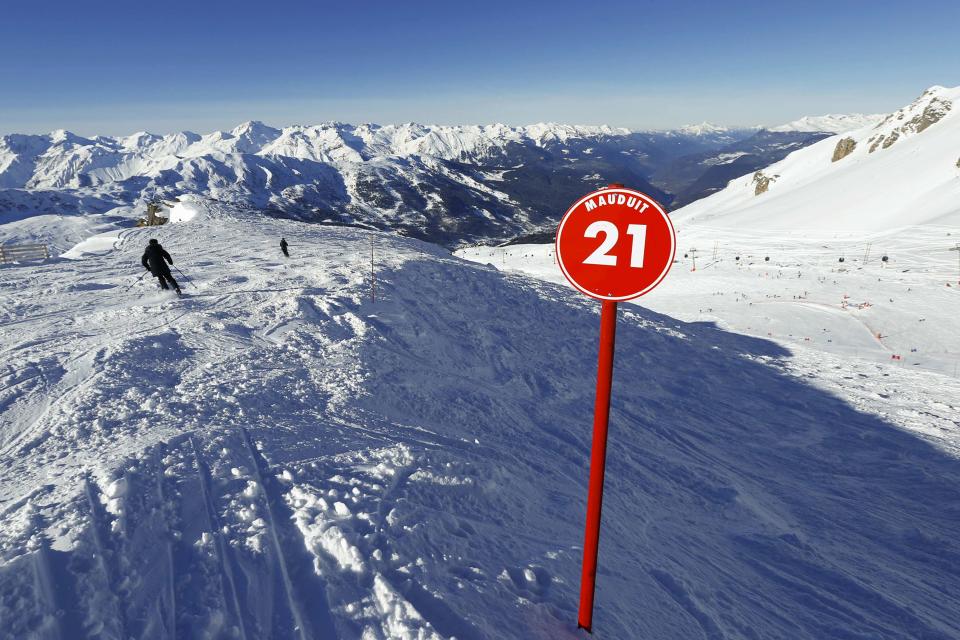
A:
{"points": [[904, 170], [695, 176], [278, 455]]}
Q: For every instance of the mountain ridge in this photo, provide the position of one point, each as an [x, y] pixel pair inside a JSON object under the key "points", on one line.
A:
{"points": [[451, 185]]}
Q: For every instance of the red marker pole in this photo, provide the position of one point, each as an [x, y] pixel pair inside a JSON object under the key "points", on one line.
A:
{"points": [[631, 258], [598, 459]]}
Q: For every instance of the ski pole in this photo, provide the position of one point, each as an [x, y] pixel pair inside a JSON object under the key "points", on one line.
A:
{"points": [[135, 281], [183, 274]]}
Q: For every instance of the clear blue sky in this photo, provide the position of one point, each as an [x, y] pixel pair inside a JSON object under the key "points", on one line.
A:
{"points": [[110, 67]]}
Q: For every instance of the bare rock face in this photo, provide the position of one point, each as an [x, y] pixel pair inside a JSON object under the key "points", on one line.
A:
{"points": [[844, 148], [762, 182], [958, 163], [932, 113]]}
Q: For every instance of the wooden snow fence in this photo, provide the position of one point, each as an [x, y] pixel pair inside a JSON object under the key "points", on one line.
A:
{"points": [[23, 252]]}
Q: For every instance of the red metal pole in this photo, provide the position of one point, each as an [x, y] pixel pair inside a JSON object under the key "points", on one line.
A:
{"points": [[598, 458]]}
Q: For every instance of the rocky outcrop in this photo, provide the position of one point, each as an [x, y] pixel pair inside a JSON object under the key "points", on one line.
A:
{"points": [[763, 182], [932, 113], [844, 148]]}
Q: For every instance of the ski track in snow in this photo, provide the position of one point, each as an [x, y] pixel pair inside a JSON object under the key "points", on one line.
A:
{"points": [[277, 456]]}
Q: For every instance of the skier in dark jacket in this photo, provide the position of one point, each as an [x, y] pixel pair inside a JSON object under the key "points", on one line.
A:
{"points": [[153, 261], [283, 247]]}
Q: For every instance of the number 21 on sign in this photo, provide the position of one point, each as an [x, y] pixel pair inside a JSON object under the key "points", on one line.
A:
{"points": [[603, 256]]}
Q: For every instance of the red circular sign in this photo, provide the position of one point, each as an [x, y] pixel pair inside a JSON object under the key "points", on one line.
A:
{"points": [[615, 244]]}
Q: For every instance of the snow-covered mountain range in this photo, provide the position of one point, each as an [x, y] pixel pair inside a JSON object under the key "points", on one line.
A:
{"points": [[448, 184], [832, 122]]}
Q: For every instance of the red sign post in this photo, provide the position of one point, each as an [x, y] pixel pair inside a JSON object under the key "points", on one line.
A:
{"points": [[613, 244]]}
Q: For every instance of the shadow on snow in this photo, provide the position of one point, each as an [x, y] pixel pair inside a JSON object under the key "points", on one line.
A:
{"points": [[740, 501]]}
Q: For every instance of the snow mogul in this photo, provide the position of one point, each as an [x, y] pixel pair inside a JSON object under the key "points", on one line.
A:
{"points": [[153, 261]]}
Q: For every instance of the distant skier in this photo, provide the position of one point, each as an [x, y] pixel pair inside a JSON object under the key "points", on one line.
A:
{"points": [[153, 261], [283, 247]]}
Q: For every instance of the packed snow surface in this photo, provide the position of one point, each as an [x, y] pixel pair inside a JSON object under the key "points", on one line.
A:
{"points": [[327, 446]]}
